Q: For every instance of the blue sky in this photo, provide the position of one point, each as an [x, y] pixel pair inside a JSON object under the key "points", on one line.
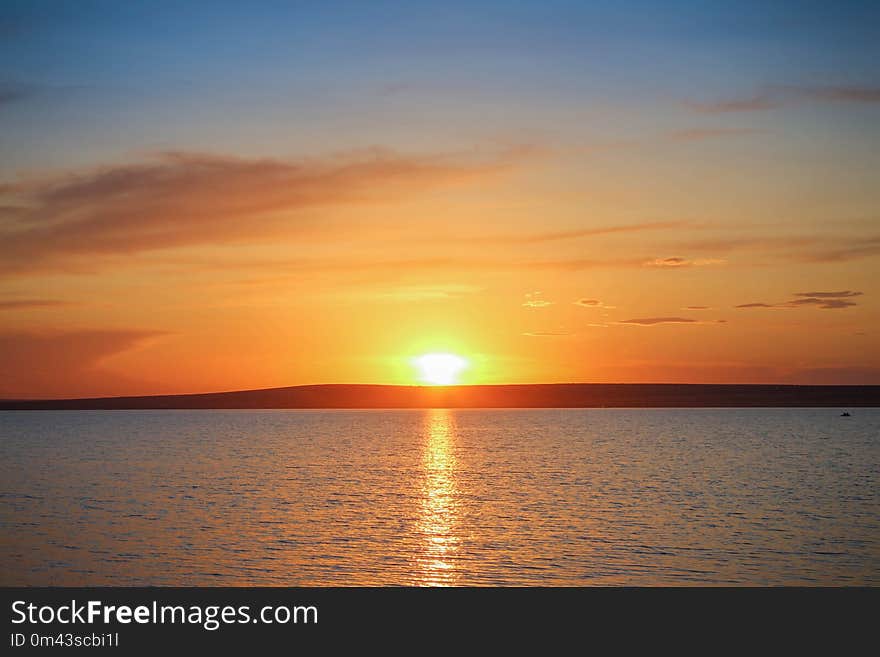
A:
{"points": [[98, 77]]}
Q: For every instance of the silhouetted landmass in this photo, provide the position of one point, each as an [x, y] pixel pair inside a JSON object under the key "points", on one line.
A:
{"points": [[551, 395]]}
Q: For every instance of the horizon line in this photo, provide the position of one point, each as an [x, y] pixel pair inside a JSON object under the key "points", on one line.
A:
{"points": [[428, 388]]}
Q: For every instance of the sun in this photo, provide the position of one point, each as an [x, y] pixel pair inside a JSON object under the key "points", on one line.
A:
{"points": [[440, 369]]}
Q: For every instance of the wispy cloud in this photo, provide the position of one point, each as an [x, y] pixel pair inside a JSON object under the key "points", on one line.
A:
{"points": [[547, 334], [829, 295], [773, 96], [592, 303], [823, 300], [459, 262], [854, 248], [654, 321], [827, 304], [815, 249], [651, 321], [29, 304], [757, 243], [677, 262], [187, 199], [536, 300], [387, 268], [552, 236]]}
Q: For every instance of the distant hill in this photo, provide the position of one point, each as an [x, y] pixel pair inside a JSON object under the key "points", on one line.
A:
{"points": [[551, 395]]}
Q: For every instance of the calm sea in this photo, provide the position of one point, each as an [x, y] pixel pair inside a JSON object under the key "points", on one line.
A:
{"points": [[460, 497]]}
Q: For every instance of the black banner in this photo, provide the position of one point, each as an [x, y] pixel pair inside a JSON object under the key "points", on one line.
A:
{"points": [[125, 620]]}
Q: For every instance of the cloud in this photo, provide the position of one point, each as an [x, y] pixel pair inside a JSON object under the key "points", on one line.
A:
{"points": [[828, 304], [773, 96], [823, 300], [591, 303], [697, 308], [829, 295], [814, 249], [27, 304], [796, 248], [679, 262], [546, 334], [64, 363], [188, 199], [534, 238], [536, 300], [278, 270], [844, 250], [727, 244], [651, 321]]}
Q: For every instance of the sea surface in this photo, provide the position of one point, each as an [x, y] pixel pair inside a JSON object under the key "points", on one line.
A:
{"points": [[440, 497]]}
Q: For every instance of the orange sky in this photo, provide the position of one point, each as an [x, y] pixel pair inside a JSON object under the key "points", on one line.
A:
{"points": [[193, 274], [602, 236]]}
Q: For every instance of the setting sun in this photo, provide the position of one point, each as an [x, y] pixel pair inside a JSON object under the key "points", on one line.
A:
{"points": [[440, 369]]}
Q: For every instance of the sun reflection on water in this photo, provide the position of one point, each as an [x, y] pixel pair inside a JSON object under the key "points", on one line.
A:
{"points": [[439, 508]]}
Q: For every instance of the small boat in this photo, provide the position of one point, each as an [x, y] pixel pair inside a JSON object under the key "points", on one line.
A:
{"points": [[844, 414]]}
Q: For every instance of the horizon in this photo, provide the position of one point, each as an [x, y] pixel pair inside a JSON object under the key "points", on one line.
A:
{"points": [[219, 197], [431, 395]]}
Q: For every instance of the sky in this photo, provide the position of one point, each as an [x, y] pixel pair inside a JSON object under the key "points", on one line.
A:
{"points": [[217, 196]]}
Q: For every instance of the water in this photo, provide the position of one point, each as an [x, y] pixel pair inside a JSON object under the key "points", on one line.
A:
{"points": [[463, 497]]}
